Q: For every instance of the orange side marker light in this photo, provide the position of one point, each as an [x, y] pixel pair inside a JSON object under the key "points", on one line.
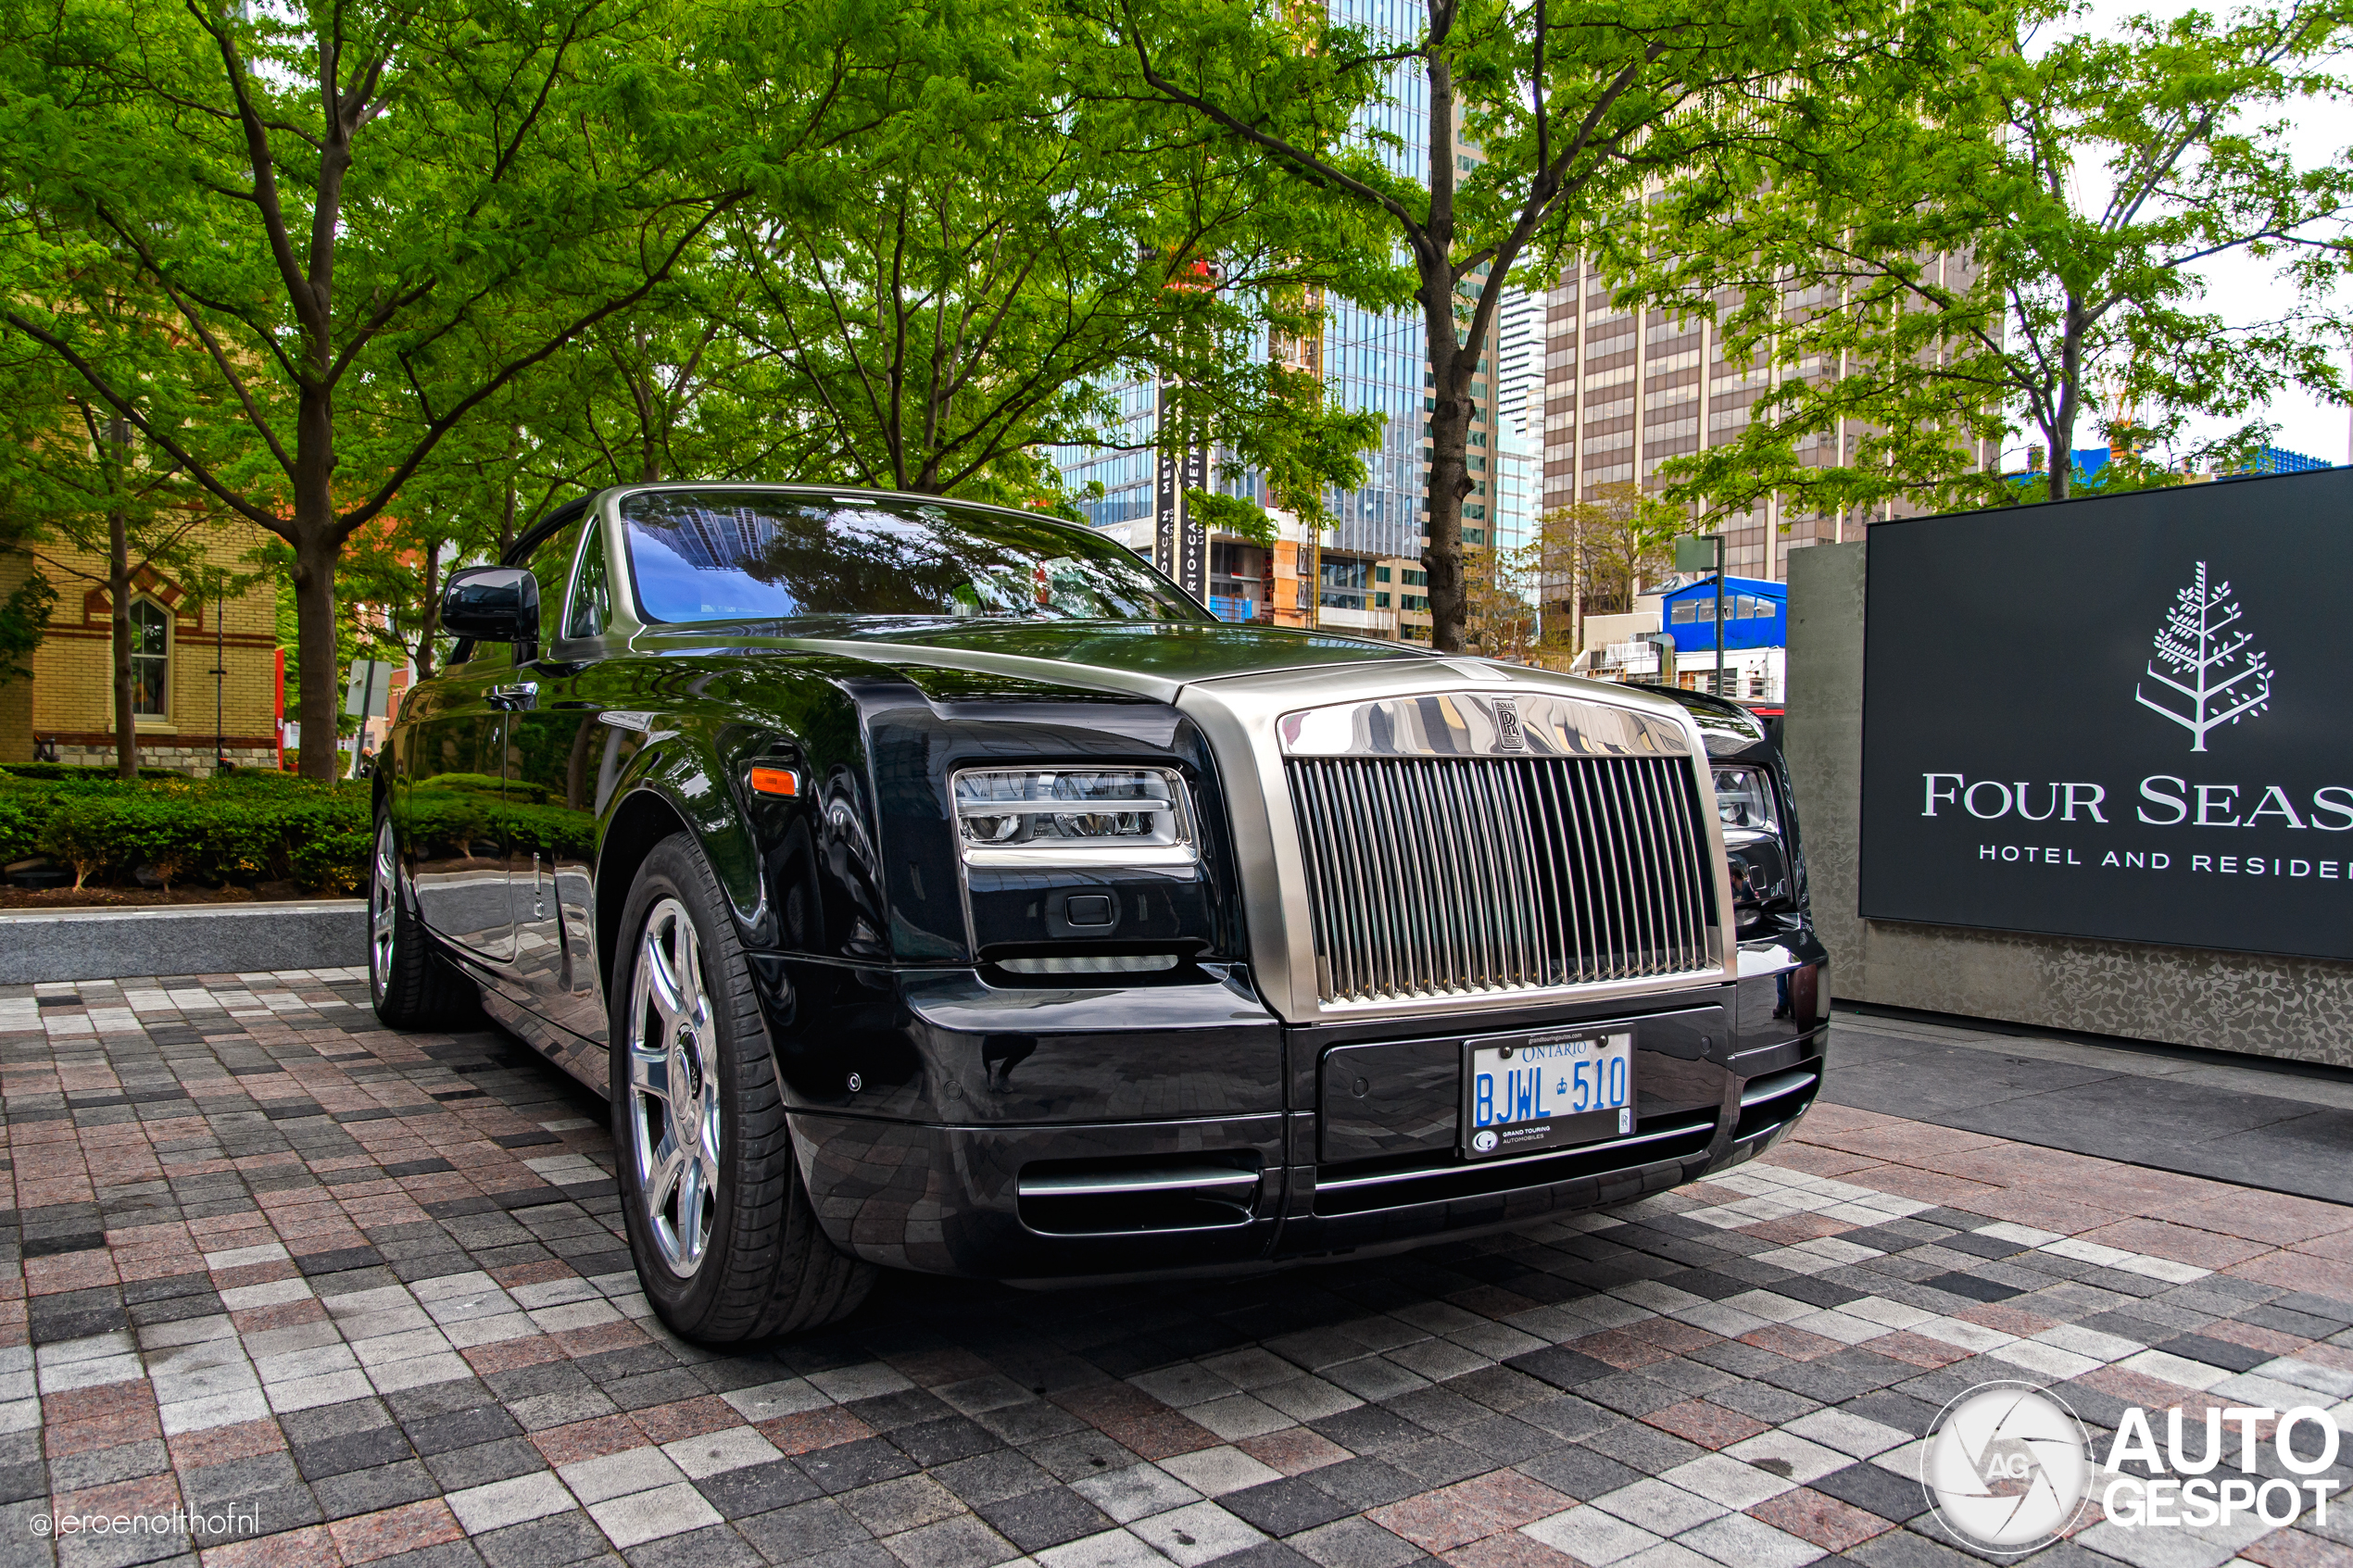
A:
{"points": [[776, 781]]}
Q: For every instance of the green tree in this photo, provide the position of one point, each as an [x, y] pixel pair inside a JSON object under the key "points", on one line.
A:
{"points": [[24, 620], [1542, 120], [972, 288], [373, 217], [1593, 556], [77, 474], [1501, 620], [2015, 245]]}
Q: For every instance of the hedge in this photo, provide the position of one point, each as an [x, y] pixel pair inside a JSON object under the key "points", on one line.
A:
{"points": [[261, 826], [241, 827]]}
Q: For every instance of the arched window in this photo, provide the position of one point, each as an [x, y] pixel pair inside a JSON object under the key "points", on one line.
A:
{"points": [[150, 659]]}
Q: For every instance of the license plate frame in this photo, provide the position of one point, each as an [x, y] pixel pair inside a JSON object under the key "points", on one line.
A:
{"points": [[1481, 1134]]}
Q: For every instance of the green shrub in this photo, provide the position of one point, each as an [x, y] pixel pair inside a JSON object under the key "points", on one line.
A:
{"points": [[335, 861], [22, 816], [241, 827], [53, 772]]}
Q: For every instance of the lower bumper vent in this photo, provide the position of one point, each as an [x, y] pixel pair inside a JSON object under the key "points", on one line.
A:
{"points": [[1774, 1101], [1676, 1138], [1125, 1197]]}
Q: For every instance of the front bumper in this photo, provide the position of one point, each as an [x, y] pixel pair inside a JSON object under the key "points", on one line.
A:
{"points": [[1327, 1169]]}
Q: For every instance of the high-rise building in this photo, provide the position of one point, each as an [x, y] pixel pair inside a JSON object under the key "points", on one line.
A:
{"points": [[1357, 574], [1520, 363], [1624, 392]]}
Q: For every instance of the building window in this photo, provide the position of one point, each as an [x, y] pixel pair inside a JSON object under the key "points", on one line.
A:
{"points": [[150, 659], [1342, 585], [1381, 574]]}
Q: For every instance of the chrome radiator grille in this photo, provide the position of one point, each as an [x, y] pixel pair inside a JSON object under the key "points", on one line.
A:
{"points": [[1433, 876]]}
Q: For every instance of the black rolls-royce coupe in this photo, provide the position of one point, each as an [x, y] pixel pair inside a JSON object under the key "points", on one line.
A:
{"points": [[938, 886]]}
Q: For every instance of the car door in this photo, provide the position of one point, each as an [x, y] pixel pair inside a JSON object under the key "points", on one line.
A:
{"points": [[552, 752], [447, 797]]}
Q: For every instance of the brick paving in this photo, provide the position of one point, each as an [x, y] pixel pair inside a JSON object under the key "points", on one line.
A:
{"points": [[348, 1296]]}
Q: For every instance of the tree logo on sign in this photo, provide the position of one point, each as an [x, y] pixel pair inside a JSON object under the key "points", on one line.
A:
{"points": [[2215, 679]]}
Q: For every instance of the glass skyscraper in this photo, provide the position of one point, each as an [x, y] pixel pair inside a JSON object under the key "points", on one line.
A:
{"points": [[1371, 360]]}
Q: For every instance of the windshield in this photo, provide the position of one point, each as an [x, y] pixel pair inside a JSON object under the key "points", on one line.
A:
{"points": [[736, 555]]}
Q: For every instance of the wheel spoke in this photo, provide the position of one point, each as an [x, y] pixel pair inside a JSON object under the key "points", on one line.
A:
{"points": [[694, 1189], [692, 1005], [649, 1073], [672, 1161], [706, 1114], [660, 986]]}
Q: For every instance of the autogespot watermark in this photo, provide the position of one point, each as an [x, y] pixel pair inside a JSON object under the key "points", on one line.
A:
{"points": [[2008, 1466], [229, 1520]]}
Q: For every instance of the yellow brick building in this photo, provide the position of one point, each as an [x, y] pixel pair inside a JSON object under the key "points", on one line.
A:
{"points": [[68, 703]]}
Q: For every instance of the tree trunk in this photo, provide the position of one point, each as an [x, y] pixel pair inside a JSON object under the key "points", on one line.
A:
{"points": [[1576, 602], [1449, 483], [317, 544], [318, 703], [429, 616], [1449, 365], [2063, 431], [126, 723]]}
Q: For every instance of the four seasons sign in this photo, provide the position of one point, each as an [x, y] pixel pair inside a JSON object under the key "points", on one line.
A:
{"points": [[2115, 718]]}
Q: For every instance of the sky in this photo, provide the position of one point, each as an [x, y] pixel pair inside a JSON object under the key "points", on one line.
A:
{"points": [[2242, 290]]}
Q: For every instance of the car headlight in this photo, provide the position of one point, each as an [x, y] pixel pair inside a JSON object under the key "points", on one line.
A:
{"points": [[1744, 798], [1753, 840], [1072, 816]]}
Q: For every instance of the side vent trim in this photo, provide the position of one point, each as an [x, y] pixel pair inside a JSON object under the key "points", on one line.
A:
{"points": [[1133, 1196]]}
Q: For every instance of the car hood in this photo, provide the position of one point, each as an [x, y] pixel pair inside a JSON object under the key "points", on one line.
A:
{"points": [[1135, 659]]}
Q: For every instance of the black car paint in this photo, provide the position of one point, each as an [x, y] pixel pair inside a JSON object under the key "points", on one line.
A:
{"points": [[850, 898]]}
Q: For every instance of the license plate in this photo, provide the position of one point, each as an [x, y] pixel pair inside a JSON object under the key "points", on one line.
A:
{"points": [[1526, 1092]]}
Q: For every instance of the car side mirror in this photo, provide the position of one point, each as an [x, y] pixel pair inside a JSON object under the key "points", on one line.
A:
{"points": [[492, 604]]}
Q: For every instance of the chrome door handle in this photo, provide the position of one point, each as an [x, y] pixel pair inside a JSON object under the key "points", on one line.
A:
{"points": [[515, 699]]}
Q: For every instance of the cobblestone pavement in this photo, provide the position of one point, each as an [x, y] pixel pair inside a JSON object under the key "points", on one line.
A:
{"points": [[346, 1296]]}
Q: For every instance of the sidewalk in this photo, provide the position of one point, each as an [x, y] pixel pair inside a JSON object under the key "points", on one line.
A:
{"points": [[317, 1294], [2275, 1125]]}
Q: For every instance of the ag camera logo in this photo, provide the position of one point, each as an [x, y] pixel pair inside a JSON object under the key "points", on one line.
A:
{"points": [[2006, 1466]]}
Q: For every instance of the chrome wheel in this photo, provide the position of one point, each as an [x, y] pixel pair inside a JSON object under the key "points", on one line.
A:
{"points": [[674, 1089], [383, 912]]}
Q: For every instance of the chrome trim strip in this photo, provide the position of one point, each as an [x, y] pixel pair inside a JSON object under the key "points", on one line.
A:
{"points": [[1524, 996], [1424, 1173], [1143, 856], [1466, 723], [1168, 1179], [1059, 808], [1781, 1085]]}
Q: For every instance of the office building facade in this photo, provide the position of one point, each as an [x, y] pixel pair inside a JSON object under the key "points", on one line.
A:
{"points": [[1626, 390]]}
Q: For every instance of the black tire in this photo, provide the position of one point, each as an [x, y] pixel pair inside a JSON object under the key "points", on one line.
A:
{"points": [[728, 1248], [413, 984]]}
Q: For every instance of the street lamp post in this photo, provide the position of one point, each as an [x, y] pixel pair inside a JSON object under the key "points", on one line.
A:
{"points": [[1705, 553]]}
